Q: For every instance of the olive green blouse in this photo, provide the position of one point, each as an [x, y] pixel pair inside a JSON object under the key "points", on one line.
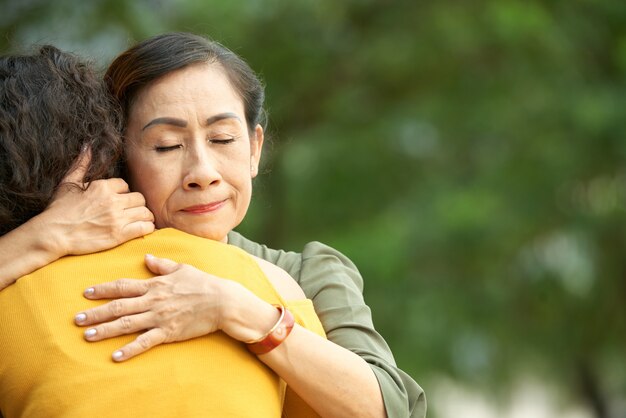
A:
{"points": [[335, 286]]}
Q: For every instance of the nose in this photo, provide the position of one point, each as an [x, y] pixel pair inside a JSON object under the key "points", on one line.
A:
{"points": [[200, 170]]}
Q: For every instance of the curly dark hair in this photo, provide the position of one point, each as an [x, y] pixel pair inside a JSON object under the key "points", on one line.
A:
{"points": [[52, 106]]}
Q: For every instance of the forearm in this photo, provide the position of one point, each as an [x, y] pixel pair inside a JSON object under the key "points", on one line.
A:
{"points": [[332, 380], [184, 302], [335, 286], [24, 250]]}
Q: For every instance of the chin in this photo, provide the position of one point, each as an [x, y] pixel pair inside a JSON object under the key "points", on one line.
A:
{"points": [[208, 233]]}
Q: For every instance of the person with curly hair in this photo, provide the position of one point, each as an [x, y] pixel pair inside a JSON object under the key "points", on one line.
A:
{"points": [[59, 147], [53, 108], [193, 121]]}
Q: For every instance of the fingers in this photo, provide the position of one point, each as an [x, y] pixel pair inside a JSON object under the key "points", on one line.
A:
{"points": [[111, 311], [139, 222], [122, 288], [133, 200], [124, 325], [139, 213], [116, 185], [142, 343], [128, 325], [161, 266], [136, 230], [79, 169]]}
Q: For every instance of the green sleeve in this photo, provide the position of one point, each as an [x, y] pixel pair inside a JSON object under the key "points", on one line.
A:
{"points": [[335, 286]]}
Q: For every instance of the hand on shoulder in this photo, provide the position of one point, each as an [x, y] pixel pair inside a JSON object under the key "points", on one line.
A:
{"points": [[97, 218]]}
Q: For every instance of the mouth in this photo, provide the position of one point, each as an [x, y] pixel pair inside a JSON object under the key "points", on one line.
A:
{"points": [[200, 209]]}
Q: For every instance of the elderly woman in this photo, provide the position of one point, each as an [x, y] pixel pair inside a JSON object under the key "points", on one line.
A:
{"points": [[53, 110], [194, 136]]}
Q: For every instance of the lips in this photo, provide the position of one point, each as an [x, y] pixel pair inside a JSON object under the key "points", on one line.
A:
{"points": [[210, 207]]}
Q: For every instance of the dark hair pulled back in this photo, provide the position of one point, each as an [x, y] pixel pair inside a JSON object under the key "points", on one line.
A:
{"points": [[155, 57], [52, 105]]}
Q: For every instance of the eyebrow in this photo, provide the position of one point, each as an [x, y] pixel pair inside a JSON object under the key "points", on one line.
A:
{"points": [[222, 116], [182, 123]]}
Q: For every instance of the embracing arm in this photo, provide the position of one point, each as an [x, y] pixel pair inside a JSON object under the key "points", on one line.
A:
{"points": [[76, 222], [333, 380], [184, 302], [335, 286], [24, 250]]}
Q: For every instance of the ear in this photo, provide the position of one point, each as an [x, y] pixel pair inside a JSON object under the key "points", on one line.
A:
{"points": [[256, 148]]}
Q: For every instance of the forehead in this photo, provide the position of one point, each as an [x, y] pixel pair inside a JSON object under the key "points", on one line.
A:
{"points": [[201, 88]]}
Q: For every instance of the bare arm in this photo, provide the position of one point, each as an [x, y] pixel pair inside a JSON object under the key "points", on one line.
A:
{"points": [[332, 380], [335, 286], [75, 222], [24, 250]]}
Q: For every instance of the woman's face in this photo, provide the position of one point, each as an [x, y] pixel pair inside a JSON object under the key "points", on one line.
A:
{"points": [[190, 153]]}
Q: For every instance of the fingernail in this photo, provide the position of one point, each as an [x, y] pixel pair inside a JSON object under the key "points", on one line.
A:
{"points": [[80, 317], [150, 257], [89, 291], [117, 355], [91, 332]]}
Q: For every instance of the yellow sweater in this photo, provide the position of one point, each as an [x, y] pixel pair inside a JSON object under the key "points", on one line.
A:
{"points": [[48, 370]]}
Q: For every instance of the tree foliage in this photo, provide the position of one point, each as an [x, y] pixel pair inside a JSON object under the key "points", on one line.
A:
{"points": [[468, 156]]}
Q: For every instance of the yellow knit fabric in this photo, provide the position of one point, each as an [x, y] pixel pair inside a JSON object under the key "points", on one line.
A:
{"points": [[48, 370]]}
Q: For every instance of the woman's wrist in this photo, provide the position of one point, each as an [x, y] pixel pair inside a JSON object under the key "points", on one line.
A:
{"points": [[26, 249], [49, 239], [245, 316], [276, 335]]}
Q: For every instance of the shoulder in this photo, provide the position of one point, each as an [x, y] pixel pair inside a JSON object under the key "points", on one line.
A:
{"points": [[320, 260], [286, 285], [317, 269], [287, 260]]}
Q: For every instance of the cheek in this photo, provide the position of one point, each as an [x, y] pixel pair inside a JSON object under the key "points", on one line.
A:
{"points": [[138, 176], [241, 177], [158, 195], [245, 191], [151, 182]]}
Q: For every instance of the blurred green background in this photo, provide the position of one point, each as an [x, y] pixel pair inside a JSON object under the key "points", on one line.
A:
{"points": [[469, 156]]}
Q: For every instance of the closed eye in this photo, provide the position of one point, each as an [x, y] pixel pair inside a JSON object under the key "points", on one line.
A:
{"points": [[222, 141], [169, 148]]}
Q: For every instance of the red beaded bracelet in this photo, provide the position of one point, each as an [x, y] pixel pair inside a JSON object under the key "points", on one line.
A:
{"points": [[276, 335]]}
